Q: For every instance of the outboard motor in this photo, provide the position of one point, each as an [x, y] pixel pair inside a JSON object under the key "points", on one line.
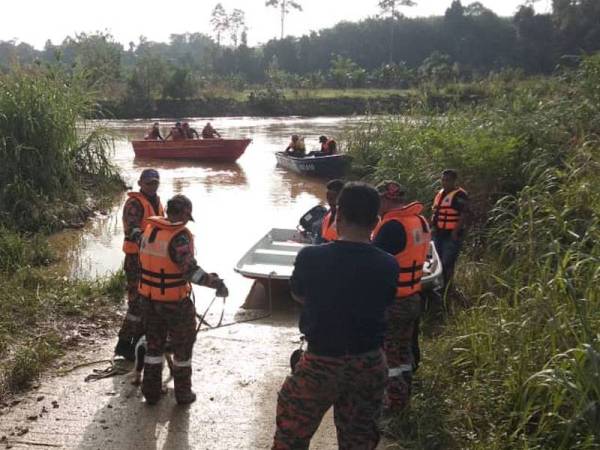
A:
{"points": [[310, 222]]}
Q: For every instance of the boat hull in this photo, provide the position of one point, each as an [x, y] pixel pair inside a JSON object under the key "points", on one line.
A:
{"points": [[223, 150], [319, 166], [271, 259]]}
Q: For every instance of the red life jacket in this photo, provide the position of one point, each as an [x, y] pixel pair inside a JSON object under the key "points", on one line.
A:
{"points": [[131, 247], [161, 279], [328, 231], [329, 147], [444, 216], [414, 255]]}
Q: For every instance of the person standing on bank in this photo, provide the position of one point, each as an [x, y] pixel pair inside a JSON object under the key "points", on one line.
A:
{"points": [[449, 221], [404, 233], [138, 208], [168, 269], [328, 229], [343, 319]]}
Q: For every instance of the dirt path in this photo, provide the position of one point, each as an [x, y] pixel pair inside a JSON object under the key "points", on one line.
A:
{"points": [[237, 373]]}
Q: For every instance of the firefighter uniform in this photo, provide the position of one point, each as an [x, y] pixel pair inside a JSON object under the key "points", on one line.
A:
{"points": [[138, 208], [166, 260], [405, 312]]}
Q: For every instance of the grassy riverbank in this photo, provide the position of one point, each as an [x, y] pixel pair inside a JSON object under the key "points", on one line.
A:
{"points": [[54, 173], [517, 365]]}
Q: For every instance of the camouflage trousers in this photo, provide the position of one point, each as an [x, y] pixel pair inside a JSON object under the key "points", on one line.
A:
{"points": [[132, 327], [399, 343], [178, 323], [354, 385]]}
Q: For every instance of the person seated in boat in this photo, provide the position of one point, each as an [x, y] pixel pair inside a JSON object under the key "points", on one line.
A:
{"points": [[189, 132], [176, 133], [208, 132], [296, 147], [328, 147], [154, 133], [328, 230]]}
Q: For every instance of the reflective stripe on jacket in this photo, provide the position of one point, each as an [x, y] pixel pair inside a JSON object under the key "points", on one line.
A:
{"points": [[444, 216], [328, 231], [412, 258], [161, 279], [131, 247]]}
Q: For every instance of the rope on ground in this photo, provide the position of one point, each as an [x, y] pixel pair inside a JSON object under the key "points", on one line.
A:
{"points": [[111, 371], [235, 322], [38, 444], [79, 366]]}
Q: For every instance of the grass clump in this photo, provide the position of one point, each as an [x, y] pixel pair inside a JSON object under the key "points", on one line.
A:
{"points": [[52, 163], [519, 366]]}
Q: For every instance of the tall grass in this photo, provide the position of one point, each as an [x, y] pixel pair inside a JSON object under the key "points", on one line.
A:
{"points": [[519, 367], [44, 156]]}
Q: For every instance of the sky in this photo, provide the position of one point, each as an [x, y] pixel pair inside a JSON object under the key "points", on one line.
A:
{"points": [[35, 21]]}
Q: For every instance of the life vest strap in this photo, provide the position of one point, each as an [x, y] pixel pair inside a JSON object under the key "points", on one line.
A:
{"points": [[408, 283], [411, 269], [165, 276], [163, 285]]}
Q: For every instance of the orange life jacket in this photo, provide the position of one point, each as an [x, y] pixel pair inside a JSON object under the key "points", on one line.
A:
{"points": [[444, 216], [131, 247], [412, 258], [328, 231], [161, 279]]}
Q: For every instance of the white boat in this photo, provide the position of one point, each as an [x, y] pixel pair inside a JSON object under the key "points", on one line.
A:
{"points": [[273, 256]]}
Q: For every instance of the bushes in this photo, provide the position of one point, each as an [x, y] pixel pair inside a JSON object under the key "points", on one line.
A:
{"points": [[45, 157], [519, 367]]}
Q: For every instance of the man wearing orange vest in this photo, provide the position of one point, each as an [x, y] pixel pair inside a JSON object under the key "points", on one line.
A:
{"points": [[404, 233], [450, 210], [138, 207], [168, 269], [328, 228]]}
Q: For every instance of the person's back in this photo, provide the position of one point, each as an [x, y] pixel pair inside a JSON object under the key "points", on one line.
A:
{"points": [[345, 287]]}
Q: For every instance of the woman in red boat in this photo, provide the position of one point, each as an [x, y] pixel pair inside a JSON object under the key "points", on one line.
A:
{"points": [[154, 133]]}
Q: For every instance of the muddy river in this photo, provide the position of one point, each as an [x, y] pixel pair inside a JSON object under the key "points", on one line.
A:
{"points": [[237, 370]]}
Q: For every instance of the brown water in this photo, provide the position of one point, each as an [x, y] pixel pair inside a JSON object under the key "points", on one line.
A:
{"points": [[234, 204], [237, 370]]}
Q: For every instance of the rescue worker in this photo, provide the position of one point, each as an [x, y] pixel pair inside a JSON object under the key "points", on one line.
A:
{"points": [[404, 233], [138, 208], [154, 133], [343, 320], [176, 133], [296, 147], [208, 132], [168, 268], [189, 132], [328, 147], [449, 220], [328, 229]]}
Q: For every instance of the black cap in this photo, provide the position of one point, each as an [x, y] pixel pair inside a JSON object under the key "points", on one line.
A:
{"points": [[323, 139], [390, 190], [149, 175], [179, 203]]}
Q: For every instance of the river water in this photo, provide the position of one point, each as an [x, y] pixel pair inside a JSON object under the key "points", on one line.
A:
{"points": [[234, 204], [237, 370]]}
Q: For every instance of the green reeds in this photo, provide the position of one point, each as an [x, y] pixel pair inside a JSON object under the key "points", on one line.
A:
{"points": [[519, 367], [44, 156]]}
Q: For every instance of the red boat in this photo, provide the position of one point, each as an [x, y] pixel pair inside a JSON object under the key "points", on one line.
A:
{"points": [[224, 150]]}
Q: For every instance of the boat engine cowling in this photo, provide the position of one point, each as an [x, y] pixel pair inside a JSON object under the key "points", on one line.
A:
{"points": [[310, 222]]}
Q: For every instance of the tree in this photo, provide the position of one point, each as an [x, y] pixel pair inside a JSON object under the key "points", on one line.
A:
{"points": [[285, 6], [237, 25], [391, 7], [219, 21]]}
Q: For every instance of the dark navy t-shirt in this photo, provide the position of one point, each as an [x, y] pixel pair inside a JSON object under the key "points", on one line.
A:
{"points": [[347, 287]]}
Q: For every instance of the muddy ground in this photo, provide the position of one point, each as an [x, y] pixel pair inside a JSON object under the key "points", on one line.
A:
{"points": [[237, 373]]}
